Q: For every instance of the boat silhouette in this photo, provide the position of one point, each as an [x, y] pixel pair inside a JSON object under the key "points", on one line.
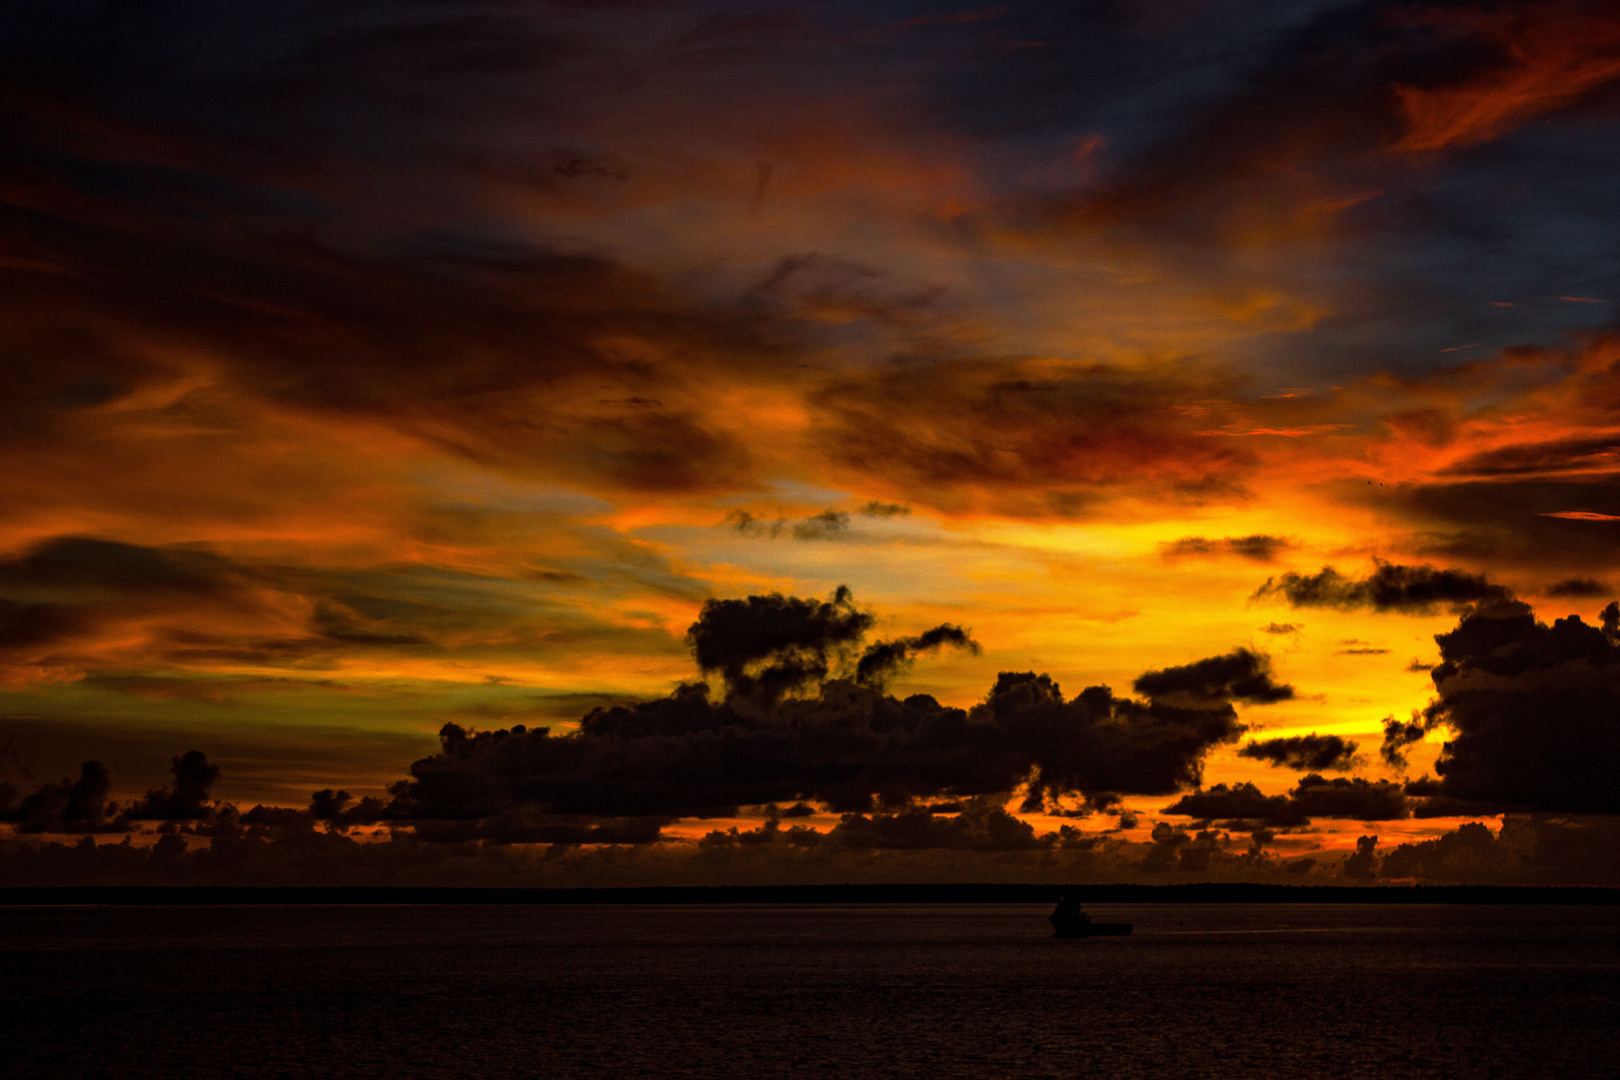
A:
{"points": [[1068, 921]]}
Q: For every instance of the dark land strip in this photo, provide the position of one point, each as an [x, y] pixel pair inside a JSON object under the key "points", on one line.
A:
{"points": [[1205, 893]]}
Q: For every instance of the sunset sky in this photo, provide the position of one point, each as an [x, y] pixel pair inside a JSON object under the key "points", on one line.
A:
{"points": [[371, 367]]}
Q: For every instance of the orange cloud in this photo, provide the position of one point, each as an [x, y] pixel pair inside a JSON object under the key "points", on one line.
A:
{"points": [[1552, 54], [1032, 439]]}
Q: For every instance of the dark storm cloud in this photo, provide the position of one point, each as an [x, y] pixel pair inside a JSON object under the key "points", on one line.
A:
{"points": [[1352, 798], [258, 188], [1391, 587], [1306, 753], [1533, 711], [848, 746], [1258, 548]]}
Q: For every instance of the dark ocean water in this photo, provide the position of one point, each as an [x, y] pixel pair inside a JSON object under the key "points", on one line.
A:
{"points": [[1241, 991]]}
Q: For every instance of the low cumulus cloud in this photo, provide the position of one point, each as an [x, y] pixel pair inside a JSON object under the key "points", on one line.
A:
{"points": [[279, 847], [1537, 849], [785, 641], [186, 798], [770, 645], [1400, 734], [980, 824], [887, 658], [1315, 796], [66, 806], [1530, 709], [1311, 752], [849, 747], [803, 719], [1415, 590], [82, 805], [848, 744], [1240, 675]]}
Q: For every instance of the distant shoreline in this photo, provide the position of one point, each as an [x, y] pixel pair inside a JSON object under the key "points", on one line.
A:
{"points": [[1208, 893]]}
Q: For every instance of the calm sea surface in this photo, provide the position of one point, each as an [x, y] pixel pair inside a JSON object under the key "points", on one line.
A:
{"points": [[788, 991]]}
